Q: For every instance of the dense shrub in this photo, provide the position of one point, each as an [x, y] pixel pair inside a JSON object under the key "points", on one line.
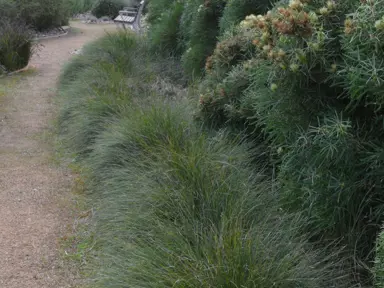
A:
{"points": [[362, 45], [80, 6], [36, 14], [109, 8], [100, 8], [236, 10], [8, 9], [164, 36], [189, 28], [379, 262], [156, 10], [303, 83], [16, 46], [43, 14], [202, 34]]}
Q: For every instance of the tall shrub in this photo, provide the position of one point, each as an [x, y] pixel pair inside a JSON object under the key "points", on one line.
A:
{"points": [[165, 34], [80, 6], [312, 90], [379, 262], [8, 9], [202, 34], [236, 10], [109, 8], [43, 14]]}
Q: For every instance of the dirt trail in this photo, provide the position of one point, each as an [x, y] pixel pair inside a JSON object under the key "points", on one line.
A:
{"points": [[32, 189]]}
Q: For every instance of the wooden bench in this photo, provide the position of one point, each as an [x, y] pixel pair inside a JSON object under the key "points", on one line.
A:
{"points": [[130, 16]]}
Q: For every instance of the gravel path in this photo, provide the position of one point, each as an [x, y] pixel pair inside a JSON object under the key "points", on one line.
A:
{"points": [[35, 193]]}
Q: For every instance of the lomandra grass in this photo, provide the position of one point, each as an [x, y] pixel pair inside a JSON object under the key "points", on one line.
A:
{"points": [[16, 44], [179, 208]]}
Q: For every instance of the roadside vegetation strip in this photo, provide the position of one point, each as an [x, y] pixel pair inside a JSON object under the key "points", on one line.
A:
{"points": [[300, 81], [285, 86], [175, 203]]}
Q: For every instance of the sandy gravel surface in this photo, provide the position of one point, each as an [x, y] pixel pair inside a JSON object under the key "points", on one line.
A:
{"points": [[34, 192]]}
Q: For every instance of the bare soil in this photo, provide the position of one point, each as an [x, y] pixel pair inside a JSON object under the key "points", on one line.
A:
{"points": [[34, 192]]}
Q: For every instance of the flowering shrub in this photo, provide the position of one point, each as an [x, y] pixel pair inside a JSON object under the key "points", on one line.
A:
{"points": [[362, 71], [307, 77], [236, 10]]}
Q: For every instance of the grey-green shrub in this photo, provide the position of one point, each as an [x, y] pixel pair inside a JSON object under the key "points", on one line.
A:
{"points": [[360, 73]]}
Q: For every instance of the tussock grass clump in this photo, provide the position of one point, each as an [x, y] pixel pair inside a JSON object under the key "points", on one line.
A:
{"points": [[110, 75], [16, 44], [186, 219], [98, 74]]}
